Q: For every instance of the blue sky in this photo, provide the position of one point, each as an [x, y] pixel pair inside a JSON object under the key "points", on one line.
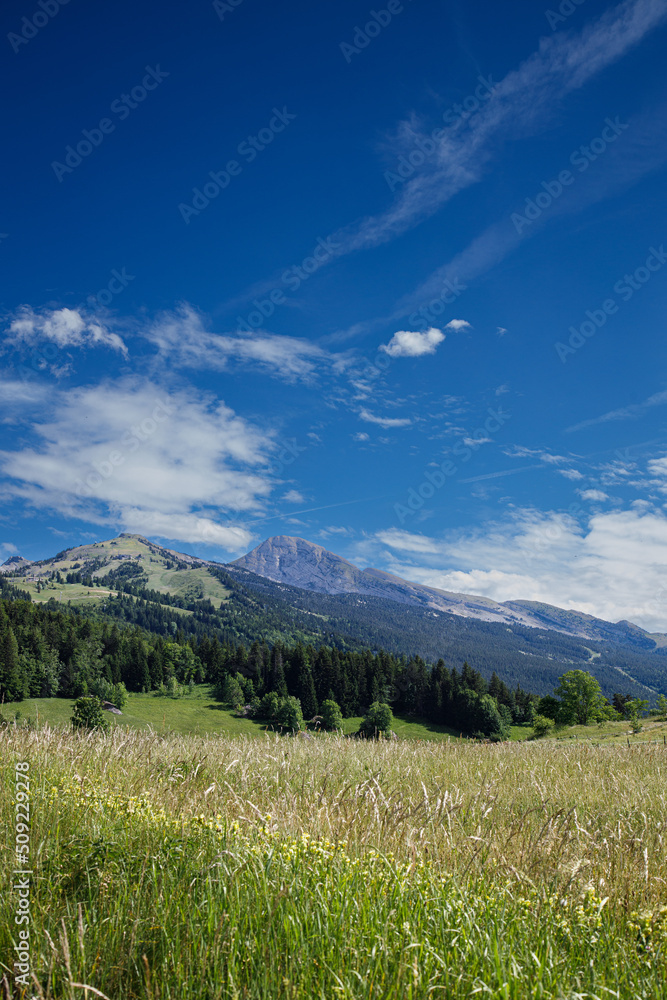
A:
{"points": [[389, 278]]}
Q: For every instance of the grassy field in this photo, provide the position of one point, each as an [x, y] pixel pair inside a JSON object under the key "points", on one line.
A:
{"points": [[189, 868], [62, 592]]}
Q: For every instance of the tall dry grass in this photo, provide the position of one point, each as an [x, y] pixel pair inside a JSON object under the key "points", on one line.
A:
{"points": [[531, 826]]}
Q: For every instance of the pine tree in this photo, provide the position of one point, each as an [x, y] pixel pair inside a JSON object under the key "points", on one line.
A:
{"points": [[277, 680], [12, 683]]}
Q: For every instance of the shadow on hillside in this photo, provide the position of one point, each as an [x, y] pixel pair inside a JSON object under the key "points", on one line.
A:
{"points": [[218, 707], [426, 724]]}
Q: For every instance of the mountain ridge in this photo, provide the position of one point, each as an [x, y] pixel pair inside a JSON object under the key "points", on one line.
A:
{"points": [[286, 559], [299, 563]]}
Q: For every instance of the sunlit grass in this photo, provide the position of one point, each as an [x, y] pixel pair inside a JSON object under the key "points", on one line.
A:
{"points": [[197, 867]]}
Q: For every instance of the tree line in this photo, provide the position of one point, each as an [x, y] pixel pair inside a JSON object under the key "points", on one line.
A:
{"points": [[49, 652]]}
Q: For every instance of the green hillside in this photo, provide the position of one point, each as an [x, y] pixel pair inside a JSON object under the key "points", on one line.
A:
{"points": [[157, 568]]}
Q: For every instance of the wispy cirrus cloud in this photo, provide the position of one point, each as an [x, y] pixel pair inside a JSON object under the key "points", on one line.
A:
{"points": [[623, 413], [182, 338], [519, 106], [386, 422]]}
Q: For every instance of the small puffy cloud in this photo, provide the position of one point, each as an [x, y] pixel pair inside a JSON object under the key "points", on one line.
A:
{"points": [[413, 344], [475, 442], [361, 436], [62, 327], [519, 451], [573, 474], [293, 496], [595, 496], [386, 422], [501, 331], [458, 324]]}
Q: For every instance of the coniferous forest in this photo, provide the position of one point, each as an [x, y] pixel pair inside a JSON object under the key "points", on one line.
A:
{"points": [[47, 651]]}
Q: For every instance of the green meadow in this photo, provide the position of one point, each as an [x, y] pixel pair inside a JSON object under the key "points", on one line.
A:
{"points": [[220, 866], [197, 713]]}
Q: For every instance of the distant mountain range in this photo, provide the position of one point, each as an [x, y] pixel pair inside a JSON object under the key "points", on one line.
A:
{"points": [[291, 588], [299, 563]]}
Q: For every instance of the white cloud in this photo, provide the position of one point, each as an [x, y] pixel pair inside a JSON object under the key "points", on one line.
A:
{"points": [[14, 393], [293, 496], [370, 418], [361, 436], [475, 442], [412, 344], [595, 496], [406, 541], [182, 338], [458, 324], [187, 527], [658, 467], [614, 567], [130, 454], [62, 327], [518, 451], [7, 549]]}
